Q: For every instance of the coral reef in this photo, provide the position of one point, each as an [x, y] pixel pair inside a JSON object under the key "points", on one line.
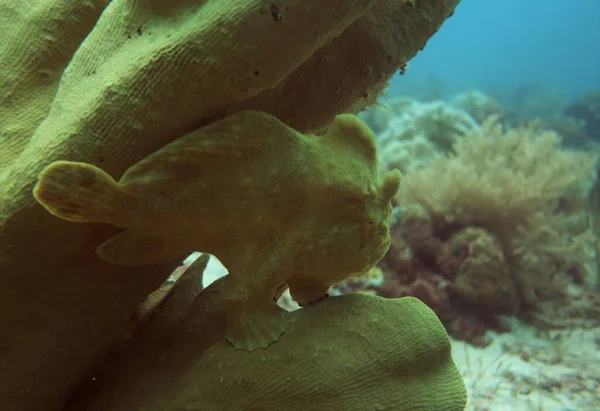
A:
{"points": [[498, 226], [579, 123], [529, 101], [416, 132], [587, 112], [109, 83], [479, 105], [483, 277], [594, 210], [572, 132], [379, 115], [441, 269], [364, 283]]}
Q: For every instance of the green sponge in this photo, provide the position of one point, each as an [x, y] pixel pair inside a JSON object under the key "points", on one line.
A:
{"points": [[351, 353], [348, 353]]}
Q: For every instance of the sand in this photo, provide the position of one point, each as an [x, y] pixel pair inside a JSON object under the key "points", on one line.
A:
{"points": [[529, 370]]}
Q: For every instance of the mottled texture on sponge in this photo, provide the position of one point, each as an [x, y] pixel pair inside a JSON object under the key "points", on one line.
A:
{"points": [[37, 44]]}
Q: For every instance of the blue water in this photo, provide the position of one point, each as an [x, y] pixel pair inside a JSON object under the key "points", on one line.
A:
{"points": [[495, 46]]}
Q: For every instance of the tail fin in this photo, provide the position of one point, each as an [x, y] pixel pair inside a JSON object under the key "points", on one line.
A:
{"points": [[79, 192]]}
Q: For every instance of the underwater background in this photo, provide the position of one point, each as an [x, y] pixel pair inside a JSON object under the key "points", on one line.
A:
{"points": [[498, 47], [498, 233], [495, 126], [501, 209], [333, 174]]}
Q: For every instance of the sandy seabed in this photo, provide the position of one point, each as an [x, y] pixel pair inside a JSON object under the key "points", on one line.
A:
{"points": [[528, 370]]}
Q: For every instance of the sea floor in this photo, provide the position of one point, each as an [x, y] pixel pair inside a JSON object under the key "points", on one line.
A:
{"points": [[528, 370], [523, 370]]}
